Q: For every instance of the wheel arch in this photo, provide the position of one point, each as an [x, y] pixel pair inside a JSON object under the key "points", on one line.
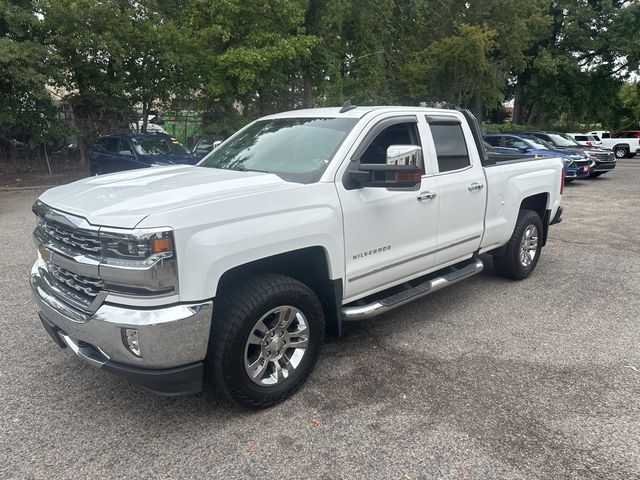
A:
{"points": [[539, 203], [626, 146], [309, 266]]}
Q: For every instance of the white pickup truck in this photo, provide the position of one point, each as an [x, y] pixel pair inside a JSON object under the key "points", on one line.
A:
{"points": [[231, 271], [623, 146]]}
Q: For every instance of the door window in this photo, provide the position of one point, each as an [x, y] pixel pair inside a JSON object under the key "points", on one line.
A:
{"points": [[493, 141], [397, 134], [451, 146], [124, 148], [513, 142]]}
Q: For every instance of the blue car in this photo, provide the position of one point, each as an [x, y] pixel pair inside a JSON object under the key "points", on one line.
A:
{"points": [[127, 151], [576, 164]]}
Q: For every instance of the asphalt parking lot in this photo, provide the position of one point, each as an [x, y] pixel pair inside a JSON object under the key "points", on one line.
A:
{"points": [[489, 379]]}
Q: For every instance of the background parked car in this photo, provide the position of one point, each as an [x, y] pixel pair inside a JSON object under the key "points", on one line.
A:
{"points": [[624, 144], [585, 139], [126, 151], [576, 164], [205, 144], [600, 134], [604, 160]]}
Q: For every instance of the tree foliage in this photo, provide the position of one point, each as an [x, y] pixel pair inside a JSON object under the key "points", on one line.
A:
{"points": [[233, 60], [27, 110]]}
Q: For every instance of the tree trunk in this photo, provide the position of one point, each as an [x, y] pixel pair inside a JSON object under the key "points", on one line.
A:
{"points": [[145, 114], [46, 157], [307, 91], [518, 112]]}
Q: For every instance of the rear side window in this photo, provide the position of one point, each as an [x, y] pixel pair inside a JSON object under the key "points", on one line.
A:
{"points": [[581, 138], [606, 135], [451, 147], [113, 143]]}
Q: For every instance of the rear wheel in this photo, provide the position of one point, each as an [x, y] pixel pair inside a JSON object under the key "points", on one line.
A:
{"points": [[265, 339], [520, 256], [621, 152]]}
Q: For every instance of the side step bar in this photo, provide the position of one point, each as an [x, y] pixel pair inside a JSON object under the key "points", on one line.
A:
{"points": [[383, 305]]}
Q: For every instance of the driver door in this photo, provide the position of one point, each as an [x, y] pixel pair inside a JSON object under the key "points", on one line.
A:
{"points": [[390, 234]]}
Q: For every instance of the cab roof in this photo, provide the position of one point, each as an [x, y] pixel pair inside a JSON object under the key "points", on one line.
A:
{"points": [[355, 112]]}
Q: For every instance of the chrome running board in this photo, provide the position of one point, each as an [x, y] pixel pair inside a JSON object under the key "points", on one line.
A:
{"points": [[453, 275]]}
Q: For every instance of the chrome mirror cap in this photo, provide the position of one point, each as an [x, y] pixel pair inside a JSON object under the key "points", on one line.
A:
{"points": [[404, 155]]}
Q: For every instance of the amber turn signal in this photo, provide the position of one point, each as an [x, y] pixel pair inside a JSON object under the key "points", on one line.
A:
{"points": [[408, 176], [160, 245]]}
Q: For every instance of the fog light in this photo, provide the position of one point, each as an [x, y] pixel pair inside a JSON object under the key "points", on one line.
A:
{"points": [[131, 341]]}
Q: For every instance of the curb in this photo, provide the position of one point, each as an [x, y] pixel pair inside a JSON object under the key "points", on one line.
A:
{"points": [[17, 189]]}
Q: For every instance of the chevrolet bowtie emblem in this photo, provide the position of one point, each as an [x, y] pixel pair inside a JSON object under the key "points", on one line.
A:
{"points": [[44, 253]]}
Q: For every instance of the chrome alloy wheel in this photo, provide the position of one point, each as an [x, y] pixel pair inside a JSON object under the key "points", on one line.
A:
{"points": [[276, 345], [529, 245]]}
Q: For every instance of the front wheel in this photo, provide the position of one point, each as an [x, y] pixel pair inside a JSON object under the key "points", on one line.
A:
{"points": [[596, 174], [265, 339], [520, 256]]}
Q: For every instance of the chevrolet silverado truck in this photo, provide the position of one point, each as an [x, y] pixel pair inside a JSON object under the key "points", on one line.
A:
{"points": [[230, 272]]}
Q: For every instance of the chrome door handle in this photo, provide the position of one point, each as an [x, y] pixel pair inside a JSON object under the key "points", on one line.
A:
{"points": [[475, 186], [426, 196]]}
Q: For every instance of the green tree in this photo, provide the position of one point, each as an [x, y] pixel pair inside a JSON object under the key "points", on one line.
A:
{"points": [[27, 110], [577, 67]]}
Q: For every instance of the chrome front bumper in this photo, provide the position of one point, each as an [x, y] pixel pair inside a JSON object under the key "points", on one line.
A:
{"points": [[169, 337]]}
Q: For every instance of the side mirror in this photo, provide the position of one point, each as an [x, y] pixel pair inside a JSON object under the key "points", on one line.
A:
{"points": [[402, 170], [216, 144], [404, 155], [523, 148], [126, 153]]}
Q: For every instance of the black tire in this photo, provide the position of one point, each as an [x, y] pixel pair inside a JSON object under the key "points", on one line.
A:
{"points": [[621, 152], [568, 180], [596, 174], [508, 263], [236, 312]]}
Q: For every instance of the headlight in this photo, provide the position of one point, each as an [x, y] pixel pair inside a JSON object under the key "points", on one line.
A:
{"points": [[141, 261], [137, 246]]}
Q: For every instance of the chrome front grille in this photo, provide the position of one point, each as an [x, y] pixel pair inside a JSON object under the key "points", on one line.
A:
{"points": [[87, 287], [605, 157], [74, 240]]}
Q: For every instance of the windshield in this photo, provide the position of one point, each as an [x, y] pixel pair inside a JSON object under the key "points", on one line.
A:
{"points": [[160, 146], [563, 140], [296, 149]]}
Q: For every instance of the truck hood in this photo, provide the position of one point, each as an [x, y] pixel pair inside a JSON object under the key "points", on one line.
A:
{"points": [[170, 159], [124, 199]]}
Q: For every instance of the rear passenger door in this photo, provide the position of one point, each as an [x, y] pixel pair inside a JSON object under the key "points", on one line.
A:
{"points": [[461, 186]]}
